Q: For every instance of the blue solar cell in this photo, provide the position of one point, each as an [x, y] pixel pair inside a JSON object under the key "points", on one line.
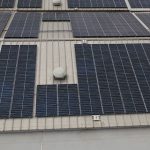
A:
{"points": [[24, 25], [29, 3], [52, 100], [17, 90], [56, 16], [4, 17], [7, 3], [120, 85], [139, 3], [73, 100], [102, 24], [41, 108], [57, 100], [97, 4], [63, 103]]}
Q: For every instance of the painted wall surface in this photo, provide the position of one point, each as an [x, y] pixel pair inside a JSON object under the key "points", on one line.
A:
{"points": [[111, 139]]}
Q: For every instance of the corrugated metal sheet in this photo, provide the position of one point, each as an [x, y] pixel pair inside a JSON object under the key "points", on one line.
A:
{"points": [[81, 122], [56, 48], [50, 55]]}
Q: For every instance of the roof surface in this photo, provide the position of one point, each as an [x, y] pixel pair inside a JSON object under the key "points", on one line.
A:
{"points": [[55, 48]]}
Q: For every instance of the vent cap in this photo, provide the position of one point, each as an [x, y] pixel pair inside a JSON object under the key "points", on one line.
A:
{"points": [[56, 2], [59, 73]]}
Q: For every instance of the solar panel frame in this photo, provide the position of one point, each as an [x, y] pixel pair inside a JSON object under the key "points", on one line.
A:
{"points": [[17, 77], [57, 100], [24, 25], [56, 16], [103, 24], [139, 103], [97, 4], [29, 4]]}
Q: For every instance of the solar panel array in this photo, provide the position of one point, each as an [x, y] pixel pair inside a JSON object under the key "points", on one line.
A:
{"points": [[57, 100], [96, 4], [139, 3], [112, 79], [24, 25], [29, 3], [56, 16], [17, 77], [4, 17], [103, 24], [7, 3], [145, 17]]}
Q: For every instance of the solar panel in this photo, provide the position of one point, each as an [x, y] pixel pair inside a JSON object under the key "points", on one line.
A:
{"points": [[4, 17], [103, 24], [24, 25], [96, 4], [145, 17], [29, 3], [7, 3], [112, 79], [121, 77], [56, 16], [139, 3], [17, 77], [57, 100]]}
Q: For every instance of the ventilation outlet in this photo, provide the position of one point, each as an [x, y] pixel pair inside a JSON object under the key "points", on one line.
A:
{"points": [[56, 2], [59, 73], [96, 117]]}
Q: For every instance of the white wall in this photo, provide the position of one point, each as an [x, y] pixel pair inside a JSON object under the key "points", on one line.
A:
{"points": [[116, 139]]}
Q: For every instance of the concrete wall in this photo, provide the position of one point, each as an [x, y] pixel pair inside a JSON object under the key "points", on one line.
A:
{"points": [[112, 139]]}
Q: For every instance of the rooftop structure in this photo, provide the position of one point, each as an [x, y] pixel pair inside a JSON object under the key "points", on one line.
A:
{"points": [[74, 64]]}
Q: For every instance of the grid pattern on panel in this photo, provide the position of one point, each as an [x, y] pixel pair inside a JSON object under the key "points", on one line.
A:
{"points": [[145, 17], [29, 3], [96, 4], [24, 25], [102, 24], [17, 77], [139, 3], [57, 100], [4, 17], [112, 79], [7, 3], [56, 16], [116, 75]]}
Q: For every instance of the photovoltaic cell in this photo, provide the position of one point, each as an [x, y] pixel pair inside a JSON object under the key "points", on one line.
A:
{"points": [[56, 16], [4, 17], [121, 72], [57, 100], [7, 3], [17, 77], [29, 3], [24, 25], [46, 100], [112, 79], [96, 4], [145, 17], [103, 24], [139, 3]]}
